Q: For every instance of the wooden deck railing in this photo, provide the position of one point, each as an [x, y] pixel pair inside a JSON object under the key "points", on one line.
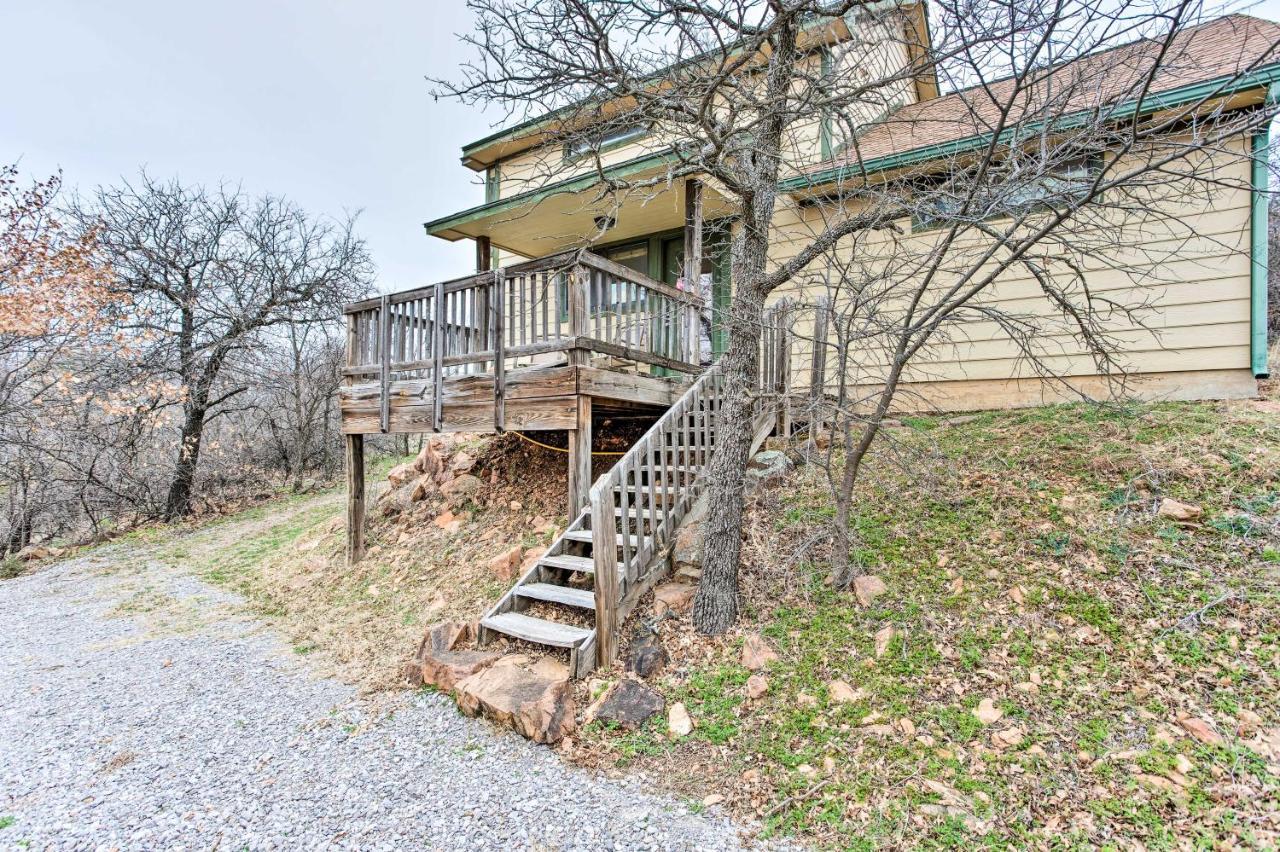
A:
{"points": [[488, 321], [638, 505]]}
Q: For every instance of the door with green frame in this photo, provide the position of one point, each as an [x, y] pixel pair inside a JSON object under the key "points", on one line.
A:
{"points": [[661, 256]]}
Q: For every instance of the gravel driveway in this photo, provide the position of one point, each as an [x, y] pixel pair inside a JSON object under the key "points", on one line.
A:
{"points": [[143, 709]]}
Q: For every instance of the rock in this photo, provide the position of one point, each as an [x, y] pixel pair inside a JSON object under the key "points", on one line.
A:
{"points": [[429, 462], [673, 597], [1176, 511], [867, 588], [449, 522], [765, 467], [987, 712], [628, 704], [504, 564], [883, 637], [396, 500], [400, 474], [688, 546], [532, 700], [462, 462], [531, 557], [646, 656], [460, 490], [1200, 729], [442, 663], [423, 488], [757, 686], [678, 722], [842, 693], [756, 654], [688, 573]]}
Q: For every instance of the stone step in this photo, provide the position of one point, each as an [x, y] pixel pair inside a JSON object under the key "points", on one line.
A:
{"points": [[537, 630], [581, 598]]}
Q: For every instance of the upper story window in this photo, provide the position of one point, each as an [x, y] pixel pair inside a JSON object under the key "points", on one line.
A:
{"points": [[1006, 192], [597, 143]]}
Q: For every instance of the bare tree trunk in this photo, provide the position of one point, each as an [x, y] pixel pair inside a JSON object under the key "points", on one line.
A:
{"points": [[716, 606], [182, 485]]}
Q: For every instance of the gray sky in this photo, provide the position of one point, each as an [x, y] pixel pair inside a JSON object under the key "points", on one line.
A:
{"points": [[319, 100]]}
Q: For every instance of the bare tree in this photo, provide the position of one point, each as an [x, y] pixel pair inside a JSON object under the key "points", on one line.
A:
{"points": [[1053, 97], [299, 378], [207, 272]]}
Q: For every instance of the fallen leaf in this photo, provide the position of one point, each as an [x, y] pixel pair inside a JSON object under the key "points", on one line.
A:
{"points": [[987, 712]]}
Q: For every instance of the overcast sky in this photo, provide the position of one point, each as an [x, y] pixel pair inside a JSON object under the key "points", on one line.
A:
{"points": [[322, 101]]}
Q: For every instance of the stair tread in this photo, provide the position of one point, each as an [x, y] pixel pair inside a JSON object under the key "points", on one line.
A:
{"points": [[584, 564], [536, 629], [581, 598], [585, 537]]}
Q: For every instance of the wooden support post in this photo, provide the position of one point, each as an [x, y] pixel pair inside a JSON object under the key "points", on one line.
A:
{"points": [[580, 458], [355, 498], [818, 370], [782, 369], [579, 282], [437, 358], [499, 353], [484, 254], [384, 365], [693, 265], [605, 554]]}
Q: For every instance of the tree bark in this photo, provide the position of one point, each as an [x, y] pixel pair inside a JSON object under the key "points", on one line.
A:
{"points": [[715, 608], [178, 502]]}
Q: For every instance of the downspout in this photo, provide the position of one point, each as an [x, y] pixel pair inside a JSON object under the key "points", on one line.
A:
{"points": [[1261, 144]]}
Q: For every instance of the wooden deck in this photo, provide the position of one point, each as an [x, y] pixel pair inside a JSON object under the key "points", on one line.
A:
{"points": [[534, 398]]}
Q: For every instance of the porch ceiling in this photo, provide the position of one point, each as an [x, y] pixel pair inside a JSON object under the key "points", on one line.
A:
{"points": [[560, 216]]}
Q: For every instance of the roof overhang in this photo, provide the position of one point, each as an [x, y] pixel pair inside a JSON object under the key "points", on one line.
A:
{"points": [[504, 143], [564, 214], [1233, 91]]}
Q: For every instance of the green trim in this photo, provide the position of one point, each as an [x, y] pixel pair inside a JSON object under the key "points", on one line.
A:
{"points": [[1261, 145], [533, 123], [825, 146], [1268, 75], [492, 183], [568, 185]]}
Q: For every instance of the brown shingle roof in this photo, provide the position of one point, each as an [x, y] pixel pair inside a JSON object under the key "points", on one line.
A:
{"points": [[1226, 46]]}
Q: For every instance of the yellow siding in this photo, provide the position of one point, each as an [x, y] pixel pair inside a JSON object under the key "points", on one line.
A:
{"points": [[1189, 273]]}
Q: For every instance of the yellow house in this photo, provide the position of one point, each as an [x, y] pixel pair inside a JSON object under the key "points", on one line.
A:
{"points": [[581, 309], [1202, 333]]}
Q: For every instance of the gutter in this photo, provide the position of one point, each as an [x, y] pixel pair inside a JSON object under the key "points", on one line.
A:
{"points": [[1229, 84], [1258, 214]]}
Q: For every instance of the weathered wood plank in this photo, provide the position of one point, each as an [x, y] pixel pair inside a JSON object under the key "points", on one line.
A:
{"points": [[355, 498], [580, 457], [536, 629], [605, 556]]}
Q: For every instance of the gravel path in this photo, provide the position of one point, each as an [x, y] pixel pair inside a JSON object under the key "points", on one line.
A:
{"points": [[142, 709]]}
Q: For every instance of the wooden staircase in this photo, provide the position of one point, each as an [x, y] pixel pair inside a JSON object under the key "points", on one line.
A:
{"points": [[614, 551]]}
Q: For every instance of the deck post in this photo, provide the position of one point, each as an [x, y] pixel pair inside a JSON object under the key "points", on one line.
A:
{"points": [[355, 498], [693, 266], [384, 364], [818, 369], [579, 437], [580, 459], [604, 549], [782, 368]]}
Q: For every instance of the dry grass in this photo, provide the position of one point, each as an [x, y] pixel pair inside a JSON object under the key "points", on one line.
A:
{"points": [[1025, 565]]}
